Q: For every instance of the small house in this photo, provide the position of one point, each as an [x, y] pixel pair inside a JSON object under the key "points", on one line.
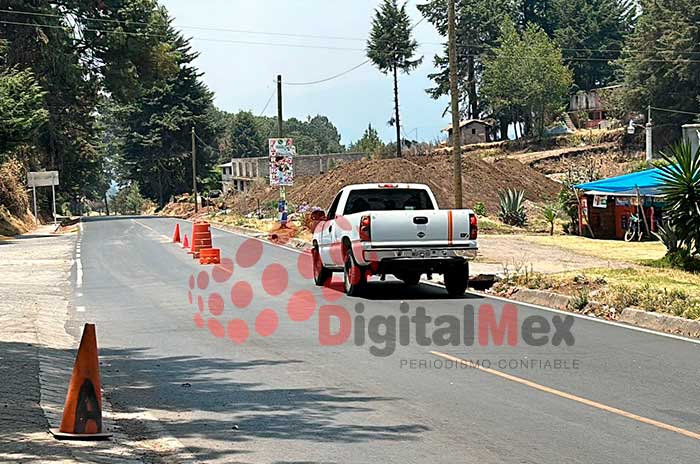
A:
{"points": [[472, 131], [589, 109]]}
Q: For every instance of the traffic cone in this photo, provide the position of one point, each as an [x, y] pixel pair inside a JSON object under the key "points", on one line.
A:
{"points": [[176, 234], [185, 242], [82, 413]]}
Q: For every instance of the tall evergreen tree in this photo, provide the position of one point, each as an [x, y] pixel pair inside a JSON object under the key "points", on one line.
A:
{"points": [[661, 63], [157, 127], [391, 48], [592, 33]]}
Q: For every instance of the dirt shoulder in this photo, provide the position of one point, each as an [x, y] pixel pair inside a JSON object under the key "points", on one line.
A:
{"points": [[499, 254]]}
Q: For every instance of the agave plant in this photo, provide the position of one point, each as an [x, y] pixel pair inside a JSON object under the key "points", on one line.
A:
{"points": [[512, 209], [681, 189], [668, 236]]}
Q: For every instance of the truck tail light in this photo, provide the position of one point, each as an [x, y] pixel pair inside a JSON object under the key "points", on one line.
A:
{"points": [[473, 227], [366, 228]]}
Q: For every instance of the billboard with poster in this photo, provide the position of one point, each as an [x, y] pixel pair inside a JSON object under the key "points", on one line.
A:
{"points": [[282, 152]]}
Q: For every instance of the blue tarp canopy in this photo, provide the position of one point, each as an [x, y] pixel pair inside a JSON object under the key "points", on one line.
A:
{"points": [[644, 182]]}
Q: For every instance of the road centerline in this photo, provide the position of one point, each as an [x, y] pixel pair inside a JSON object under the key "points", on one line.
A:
{"points": [[569, 396]]}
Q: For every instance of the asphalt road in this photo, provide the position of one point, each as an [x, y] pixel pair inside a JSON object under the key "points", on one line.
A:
{"points": [[616, 395]]}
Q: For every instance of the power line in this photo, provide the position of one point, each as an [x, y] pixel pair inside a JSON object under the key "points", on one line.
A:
{"points": [[268, 102], [163, 36], [330, 77], [674, 111], [283, 34]]}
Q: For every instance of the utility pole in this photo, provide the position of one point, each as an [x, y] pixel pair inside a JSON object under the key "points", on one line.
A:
{"points": [[282, 207], [454, 93], [279, 106], [648, 130], [194, 170]]}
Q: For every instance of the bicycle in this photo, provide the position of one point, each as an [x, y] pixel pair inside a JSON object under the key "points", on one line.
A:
{"points": [[634, 228]]}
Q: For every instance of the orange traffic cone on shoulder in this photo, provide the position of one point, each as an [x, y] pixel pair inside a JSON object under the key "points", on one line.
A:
{"points": [[176, 234], [185, 242], [82, 413]]}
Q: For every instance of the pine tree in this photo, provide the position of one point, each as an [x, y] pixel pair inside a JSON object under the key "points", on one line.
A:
{"points": [[157, 128], [391, 48], [246, 140], [661, 62], [369, 143], [592, 32]]}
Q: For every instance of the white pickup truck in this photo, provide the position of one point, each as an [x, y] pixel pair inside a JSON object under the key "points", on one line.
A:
{"points": [[380, 229]]}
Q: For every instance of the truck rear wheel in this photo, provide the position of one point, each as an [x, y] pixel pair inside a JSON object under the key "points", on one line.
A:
{"points": [[457, 280], [321, 273], [354, 278]]}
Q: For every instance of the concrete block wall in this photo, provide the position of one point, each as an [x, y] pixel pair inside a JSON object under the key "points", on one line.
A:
{"points": [[304, 165]]}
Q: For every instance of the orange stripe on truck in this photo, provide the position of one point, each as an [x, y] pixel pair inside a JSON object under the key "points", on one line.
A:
{"points": [[449, 227]]}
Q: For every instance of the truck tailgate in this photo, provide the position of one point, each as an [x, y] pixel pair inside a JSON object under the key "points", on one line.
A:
{"points": [[420, 228]]}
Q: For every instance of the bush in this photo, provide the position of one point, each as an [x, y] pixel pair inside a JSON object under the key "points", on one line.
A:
{"points": [[512, 208], [480, 209]]}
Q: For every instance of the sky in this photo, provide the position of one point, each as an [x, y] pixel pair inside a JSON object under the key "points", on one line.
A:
{"points": [[242, 75]]}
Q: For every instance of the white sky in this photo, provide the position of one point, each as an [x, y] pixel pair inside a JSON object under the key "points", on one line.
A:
{"points": [[242, 75]]}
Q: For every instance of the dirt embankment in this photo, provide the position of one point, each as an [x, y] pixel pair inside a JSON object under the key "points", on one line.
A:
{"points": [[481, 181], [14, 203]]}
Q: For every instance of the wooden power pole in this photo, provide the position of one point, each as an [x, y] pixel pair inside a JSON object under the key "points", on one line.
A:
{"points": [[280, 133], [454, 94], [279, 106], [194, 171]]}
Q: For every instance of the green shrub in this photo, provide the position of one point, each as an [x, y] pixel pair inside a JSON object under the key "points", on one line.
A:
{"points": [[480, 209], [512, 208]]}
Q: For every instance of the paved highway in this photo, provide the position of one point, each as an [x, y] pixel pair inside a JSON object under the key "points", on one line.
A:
{"points": [[615, 395]]}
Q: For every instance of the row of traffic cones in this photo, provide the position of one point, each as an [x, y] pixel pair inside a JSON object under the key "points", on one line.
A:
{"points": [[201, 245]]}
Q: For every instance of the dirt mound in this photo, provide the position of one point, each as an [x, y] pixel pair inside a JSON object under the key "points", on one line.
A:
{"points": [[481, 181]]}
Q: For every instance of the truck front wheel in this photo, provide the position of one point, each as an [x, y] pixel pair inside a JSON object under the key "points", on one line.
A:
{"points": [[457, 280]]}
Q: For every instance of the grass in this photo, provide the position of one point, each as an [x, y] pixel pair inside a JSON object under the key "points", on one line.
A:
{"points": [[633, 252], [661, 279]]}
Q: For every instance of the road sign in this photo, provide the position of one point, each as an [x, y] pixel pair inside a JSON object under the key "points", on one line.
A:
{"points": [[42, 179], [282, 153]]}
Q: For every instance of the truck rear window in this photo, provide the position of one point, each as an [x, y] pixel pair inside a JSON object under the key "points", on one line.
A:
{"points": [[387, 200]]}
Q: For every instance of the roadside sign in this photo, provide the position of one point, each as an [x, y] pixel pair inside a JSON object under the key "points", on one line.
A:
{"points": [[42, 179], [282, 152]]}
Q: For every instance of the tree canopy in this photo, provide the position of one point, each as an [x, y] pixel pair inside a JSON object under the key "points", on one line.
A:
{"points": [[391, 48], [526, 77]]}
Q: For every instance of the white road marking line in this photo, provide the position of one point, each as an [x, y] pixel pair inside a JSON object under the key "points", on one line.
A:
{"points": [[569, 396], [80, 309], [151, 229], [79, 273]]}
